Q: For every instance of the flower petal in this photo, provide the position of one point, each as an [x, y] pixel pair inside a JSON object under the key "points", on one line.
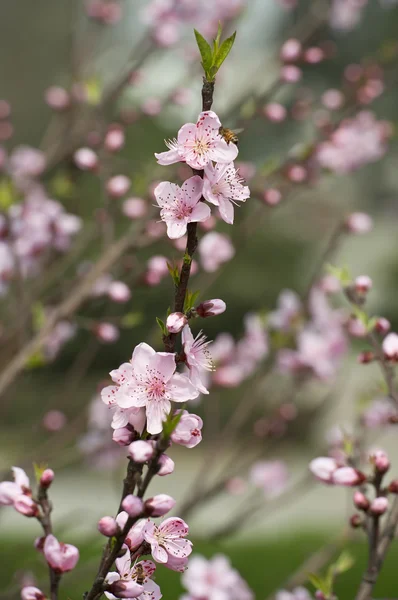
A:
{"points": [[181, 389], [20, 478], [226, 209], [140, 359], [201, 212], [192, 190], [168, 158], [164, 363], [176, 229], [159, 553], [166, 193], [223, 152], [156, 411]]}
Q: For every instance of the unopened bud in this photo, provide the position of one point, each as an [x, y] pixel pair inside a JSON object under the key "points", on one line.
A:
{"points": [[390, 346], [176, 322], [26, 506], [356, 521], [366, 357], [381, 462], [359, 223], [159, 505], [141, 451], [291, 50], [133, 505], [118, 186], [361, 501], [211, 308], [114, 139], [123, 436], [393, 487], [320, 595], [47, 477], [382, 325], [379, 505], [85, 159], [107, 526], [30, 592], [166, 465], [363, 284]]}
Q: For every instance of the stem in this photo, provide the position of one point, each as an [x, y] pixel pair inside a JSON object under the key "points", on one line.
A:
{"points": [[45, 521]]}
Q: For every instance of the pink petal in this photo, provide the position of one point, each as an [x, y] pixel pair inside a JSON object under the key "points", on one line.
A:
{"points": [[156, 411], [192, 190], [209, 118], [164, 363], [194, 376], [8, 491], [20, 478], [201, 212], [168, 158], [207, 192], [152, 591], [120, 418], [166, 193], [186, 135], [178, 548], [159, 553], [181, 389], [122, 374], [187, 336], [141, 357], [174, 527], [223, 152], [110, 394], [176, 229], [123, 564], [226, 210]]}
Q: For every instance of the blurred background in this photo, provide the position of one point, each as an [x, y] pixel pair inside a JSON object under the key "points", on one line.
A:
{"points": [[73, 72]]}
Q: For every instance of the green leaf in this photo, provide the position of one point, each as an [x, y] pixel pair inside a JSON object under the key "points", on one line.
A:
{"points": [[162, 326], [224, 50], [205, 51], [344, 562], [131, 319], [38, 316], [190, 300], [39, 470], [319, 583], [7, 194], [36, 360], [171, 423], [93, 89], [341, 273], [216, 41], [175, 274]]}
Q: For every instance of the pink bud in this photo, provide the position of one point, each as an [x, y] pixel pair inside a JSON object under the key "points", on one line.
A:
{"points": [[291, 74], [151, 107], [114, 139], [333, 99], [347, 476], [133, 505], [32, 593], [47, 477], [57, 98], [166, 465], [134, 208], [176, 322], [26, 506], [291, 50], [314, 55], [356, 327], [390, 346], [85, 159], [319, 595], [118, 186], [118, 291], [124, 588], [211, 308], [381, 461], [359, 223], [141, 451], [54, 420], [123, 436], [382, 325], [356, 521], [363, 284], [106, 332], [297, 173], [159, 505], [61, 557], [366, 357], [135, 536], [393, 487], [379, 506], [272, 196], [361, 501], [108, 526], [275, 112]]}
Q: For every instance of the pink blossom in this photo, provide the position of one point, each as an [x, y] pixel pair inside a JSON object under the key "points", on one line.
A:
{"points": [[291, 74], [166, 465], [26, 506], [124, 436], [141, 451], [271, 476], [9, 490], [118, 291], [107, 332], [288, 312], [345, 15], [181, 205], [380, 413], [379, 505], [85, 159], [135, 536], [361, 501], [123, 582], [168, 539], [323, 468], [272, 196], [275, 112], [134, 208], [215, 579], [118, 186], [149, 381], [390, 346], [224, 187], [298, 593], [333, 99], [57, 98], [114, 139], [211, 308], [176, 564], [188, 431], [383, 325], [46, 478], [133, 505], [61, 557], [159, 505], [198, 144], [27, 162], [363, 284], [347, 476], [54, 420], [108, 526], [197, 357], [215, 249], [359, 223], [175, 322], [30, 592], [291, 50]]}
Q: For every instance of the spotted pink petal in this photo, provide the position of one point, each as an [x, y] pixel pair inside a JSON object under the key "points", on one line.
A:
{"points": [[164, 363], [174, 527], [178, 547], [201, 212], [165, 193], [192, 190], [140, 359], [158, 553], [123, 374]]}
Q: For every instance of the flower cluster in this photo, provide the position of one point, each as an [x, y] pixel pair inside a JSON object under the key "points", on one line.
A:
{"points": [[200, 145]]}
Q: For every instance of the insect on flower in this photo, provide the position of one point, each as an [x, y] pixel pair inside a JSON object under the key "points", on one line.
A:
{"points": [[140, 573], [230, 135]]}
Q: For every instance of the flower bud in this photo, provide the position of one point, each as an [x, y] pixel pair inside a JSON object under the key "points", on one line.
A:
{"points": [[393, 487], [85, 159], [133, 505], [275, 112], [57, 98], [314, 55], [363, 284], [159, 505], [381, 461], [107, 332], [134, 208], [272, 196], [379, 505], [107, 526], [383, 326], [211, 308], [26, 506], [30, 592], [176, 322], [319, 595], [124, 588], [123, 436], [47, 477], [361, 501], [366, 357], [61, 557], [188, 431], [114, 139], [390, 346], [359, 223], [135, 536], [118, 291], [348, 476], [291, 74], [356, 521], [141, 451], [166, 465], [291, 50], [118, 186], [323, 468]]}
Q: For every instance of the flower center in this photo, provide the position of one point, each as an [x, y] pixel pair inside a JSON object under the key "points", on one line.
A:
{"points": [[156, 389], [201, 147]]}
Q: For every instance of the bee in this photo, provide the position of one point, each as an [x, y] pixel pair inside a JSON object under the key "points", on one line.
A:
{"points": [[140, 574], [230, 135]]}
